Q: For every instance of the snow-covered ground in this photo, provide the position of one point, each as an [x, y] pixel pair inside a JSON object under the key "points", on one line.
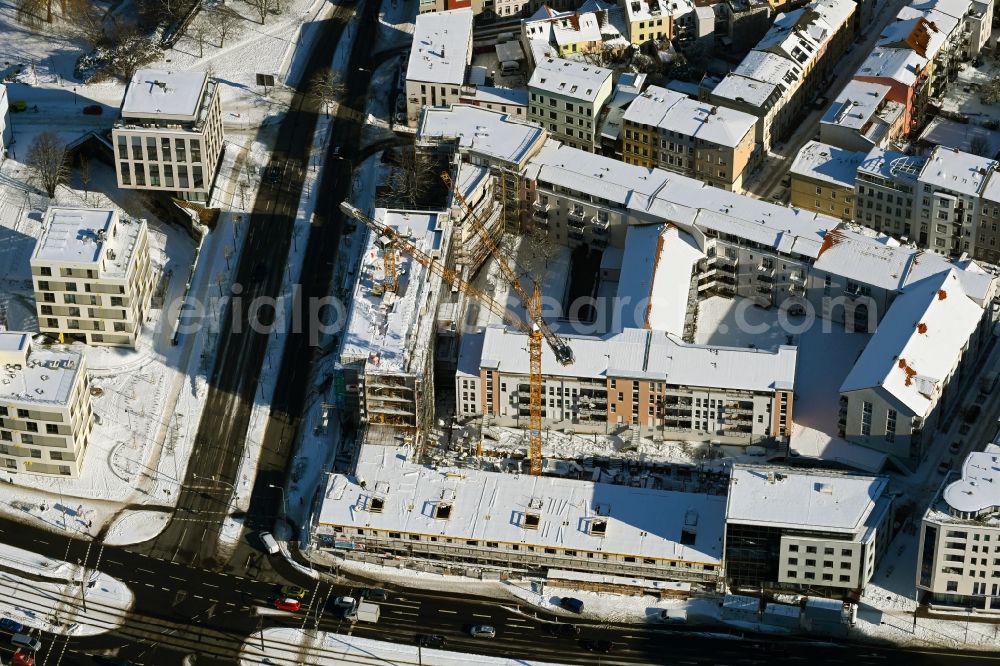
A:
{"points": [[295, 647], [45, 594], [396, 19]]}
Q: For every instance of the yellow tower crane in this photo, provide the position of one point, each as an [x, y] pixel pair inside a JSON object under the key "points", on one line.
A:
{"points": [[536, 328]]}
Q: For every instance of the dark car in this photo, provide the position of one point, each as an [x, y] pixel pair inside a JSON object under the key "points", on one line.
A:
{"points": [[596, 645], [563, 629], [273, 174], [375, 594], [955, 446], [430, 641], [13, 626], [571, 604], [93, 110]]}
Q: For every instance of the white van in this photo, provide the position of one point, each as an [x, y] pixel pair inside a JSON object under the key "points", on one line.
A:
{"points": [[26, 641], [270, 544]]}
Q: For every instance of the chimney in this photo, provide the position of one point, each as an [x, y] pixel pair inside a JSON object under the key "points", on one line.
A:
{"points": [[942, 294], [921, 328]]}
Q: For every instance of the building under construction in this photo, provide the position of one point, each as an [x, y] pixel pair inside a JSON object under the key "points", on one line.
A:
{"points": [[386, 354]]}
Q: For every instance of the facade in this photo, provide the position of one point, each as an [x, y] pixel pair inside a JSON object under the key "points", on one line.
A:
{"points": [[886, 191], [775, 80], [595, 25], [442, 52], [92, 277], [988, 234], [958, 559], [653, 20], [393, 505], [566, 98], [6, 131], [45, 413], [862, 118], [822, 179], [671, 131], [504, 100], [169, 133], [787, 528]]}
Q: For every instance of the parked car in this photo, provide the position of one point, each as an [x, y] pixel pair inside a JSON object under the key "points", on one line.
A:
{"points": [[563, 629], [955, 446], [375, 594], [11, 625], [348, 607], [430, 641], [596, 645], [483, 631], [571, 604], [26, 641], [22, 658], [272, 174], [93, 110], [944, 466], [269, 543], [294, 591], [972, 413], [288, 604]]}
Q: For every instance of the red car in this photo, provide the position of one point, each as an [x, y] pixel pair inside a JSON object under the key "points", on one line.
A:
{"points": [[93, 110], [23, 659], [290, 605]]}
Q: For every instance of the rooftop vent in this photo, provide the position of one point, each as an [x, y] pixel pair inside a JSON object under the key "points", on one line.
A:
{"points": [[442, 511], [531, 521], [377, 504], [599, 527]]}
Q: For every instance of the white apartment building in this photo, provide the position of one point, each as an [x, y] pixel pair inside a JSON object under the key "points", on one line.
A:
{"points": [[862, 117], [169, 133], [92, 277], [492, 520], [566, 98], [45, 414], [441, 53], [886, 191], [6, 131], [795, 529], [958, 560], [948, 205]]}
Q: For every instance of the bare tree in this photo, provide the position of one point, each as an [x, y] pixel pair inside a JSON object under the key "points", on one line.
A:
{"points": [[227, 23], [83, 169], [31, 12], [199, 32], [413, 179], [47, 158], [325, 87], [980, 145], [264, 7], [989, 92], [127, 49]]}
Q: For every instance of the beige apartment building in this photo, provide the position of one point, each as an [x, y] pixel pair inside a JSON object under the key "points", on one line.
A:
{"points": [[169, 134], [92, 276], [566, 98], [441, 53], [45, 413], [666, 129], [822, 179], [958, 561]]}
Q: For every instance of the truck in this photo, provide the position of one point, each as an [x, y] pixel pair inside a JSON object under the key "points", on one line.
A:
{"points": [[368, 612]]}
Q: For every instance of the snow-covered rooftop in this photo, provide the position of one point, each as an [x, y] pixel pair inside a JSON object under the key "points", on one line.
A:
{"points": [[918, 342], [647, 354], [92, 237], [821, 161], [856, 104], [978, 490], [677, 112], [32, 375], [442, 47], [745, 89], [156, 92], [795, 499], [770, 67], [656, 270], [903, 65], [381, 328], [513, 96], [491, 506], [892, 165], [991, 192], [569, 78], [491, 134], [954, 170]]}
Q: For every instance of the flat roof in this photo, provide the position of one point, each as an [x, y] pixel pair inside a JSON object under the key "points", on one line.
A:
{"points": [[830, 164], [742, 88], [957, 171], [91, 236], [46, 378], [381, 329], [791, 498], [992, 190], [892, 164], [856, 104], [442, 47], [648, 354], [491, 506], [161, 92], [481, 131], [918, 342], [513, 96], [678, 112], [978, 489], [576, 80]]}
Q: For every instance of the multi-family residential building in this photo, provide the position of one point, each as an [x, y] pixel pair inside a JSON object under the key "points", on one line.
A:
{"points": [[911, 371], [805, 530], [988, 233], [45, 413], [595, 25], [441, 53], [169, 133], [505, 100], [92, 276], [714, 144], [958, 558], [862, 118], [566, 98], [775, 80], [6, 131], [822, 179], [488, 7], [886, 192], [946, 210], [653, 20], [518, 522]]}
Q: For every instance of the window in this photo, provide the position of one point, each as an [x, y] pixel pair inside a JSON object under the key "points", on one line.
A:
{"points": [[793, 548], [890, 425], [810, 549], [866, 418], [51, 429]]}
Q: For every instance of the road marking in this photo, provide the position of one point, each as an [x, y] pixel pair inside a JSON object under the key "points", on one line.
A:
{"points": [[210, 585], [183, 580], [145, 570], [488, 617], [399, 612], [443, 610]]}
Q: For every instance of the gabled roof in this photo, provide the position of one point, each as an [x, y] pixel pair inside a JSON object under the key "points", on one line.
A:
{"points": [[917, 343]]}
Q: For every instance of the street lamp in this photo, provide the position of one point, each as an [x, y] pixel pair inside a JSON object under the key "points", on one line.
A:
{"points": [[283, 500]]}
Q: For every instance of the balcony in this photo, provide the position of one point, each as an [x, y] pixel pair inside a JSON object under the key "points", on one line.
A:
{"points": [[577, 214], [541, 214], [540, 207], [599, 243], [574, 223], [765, 269], [796, 288], [598, 225], [575, 235]]}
